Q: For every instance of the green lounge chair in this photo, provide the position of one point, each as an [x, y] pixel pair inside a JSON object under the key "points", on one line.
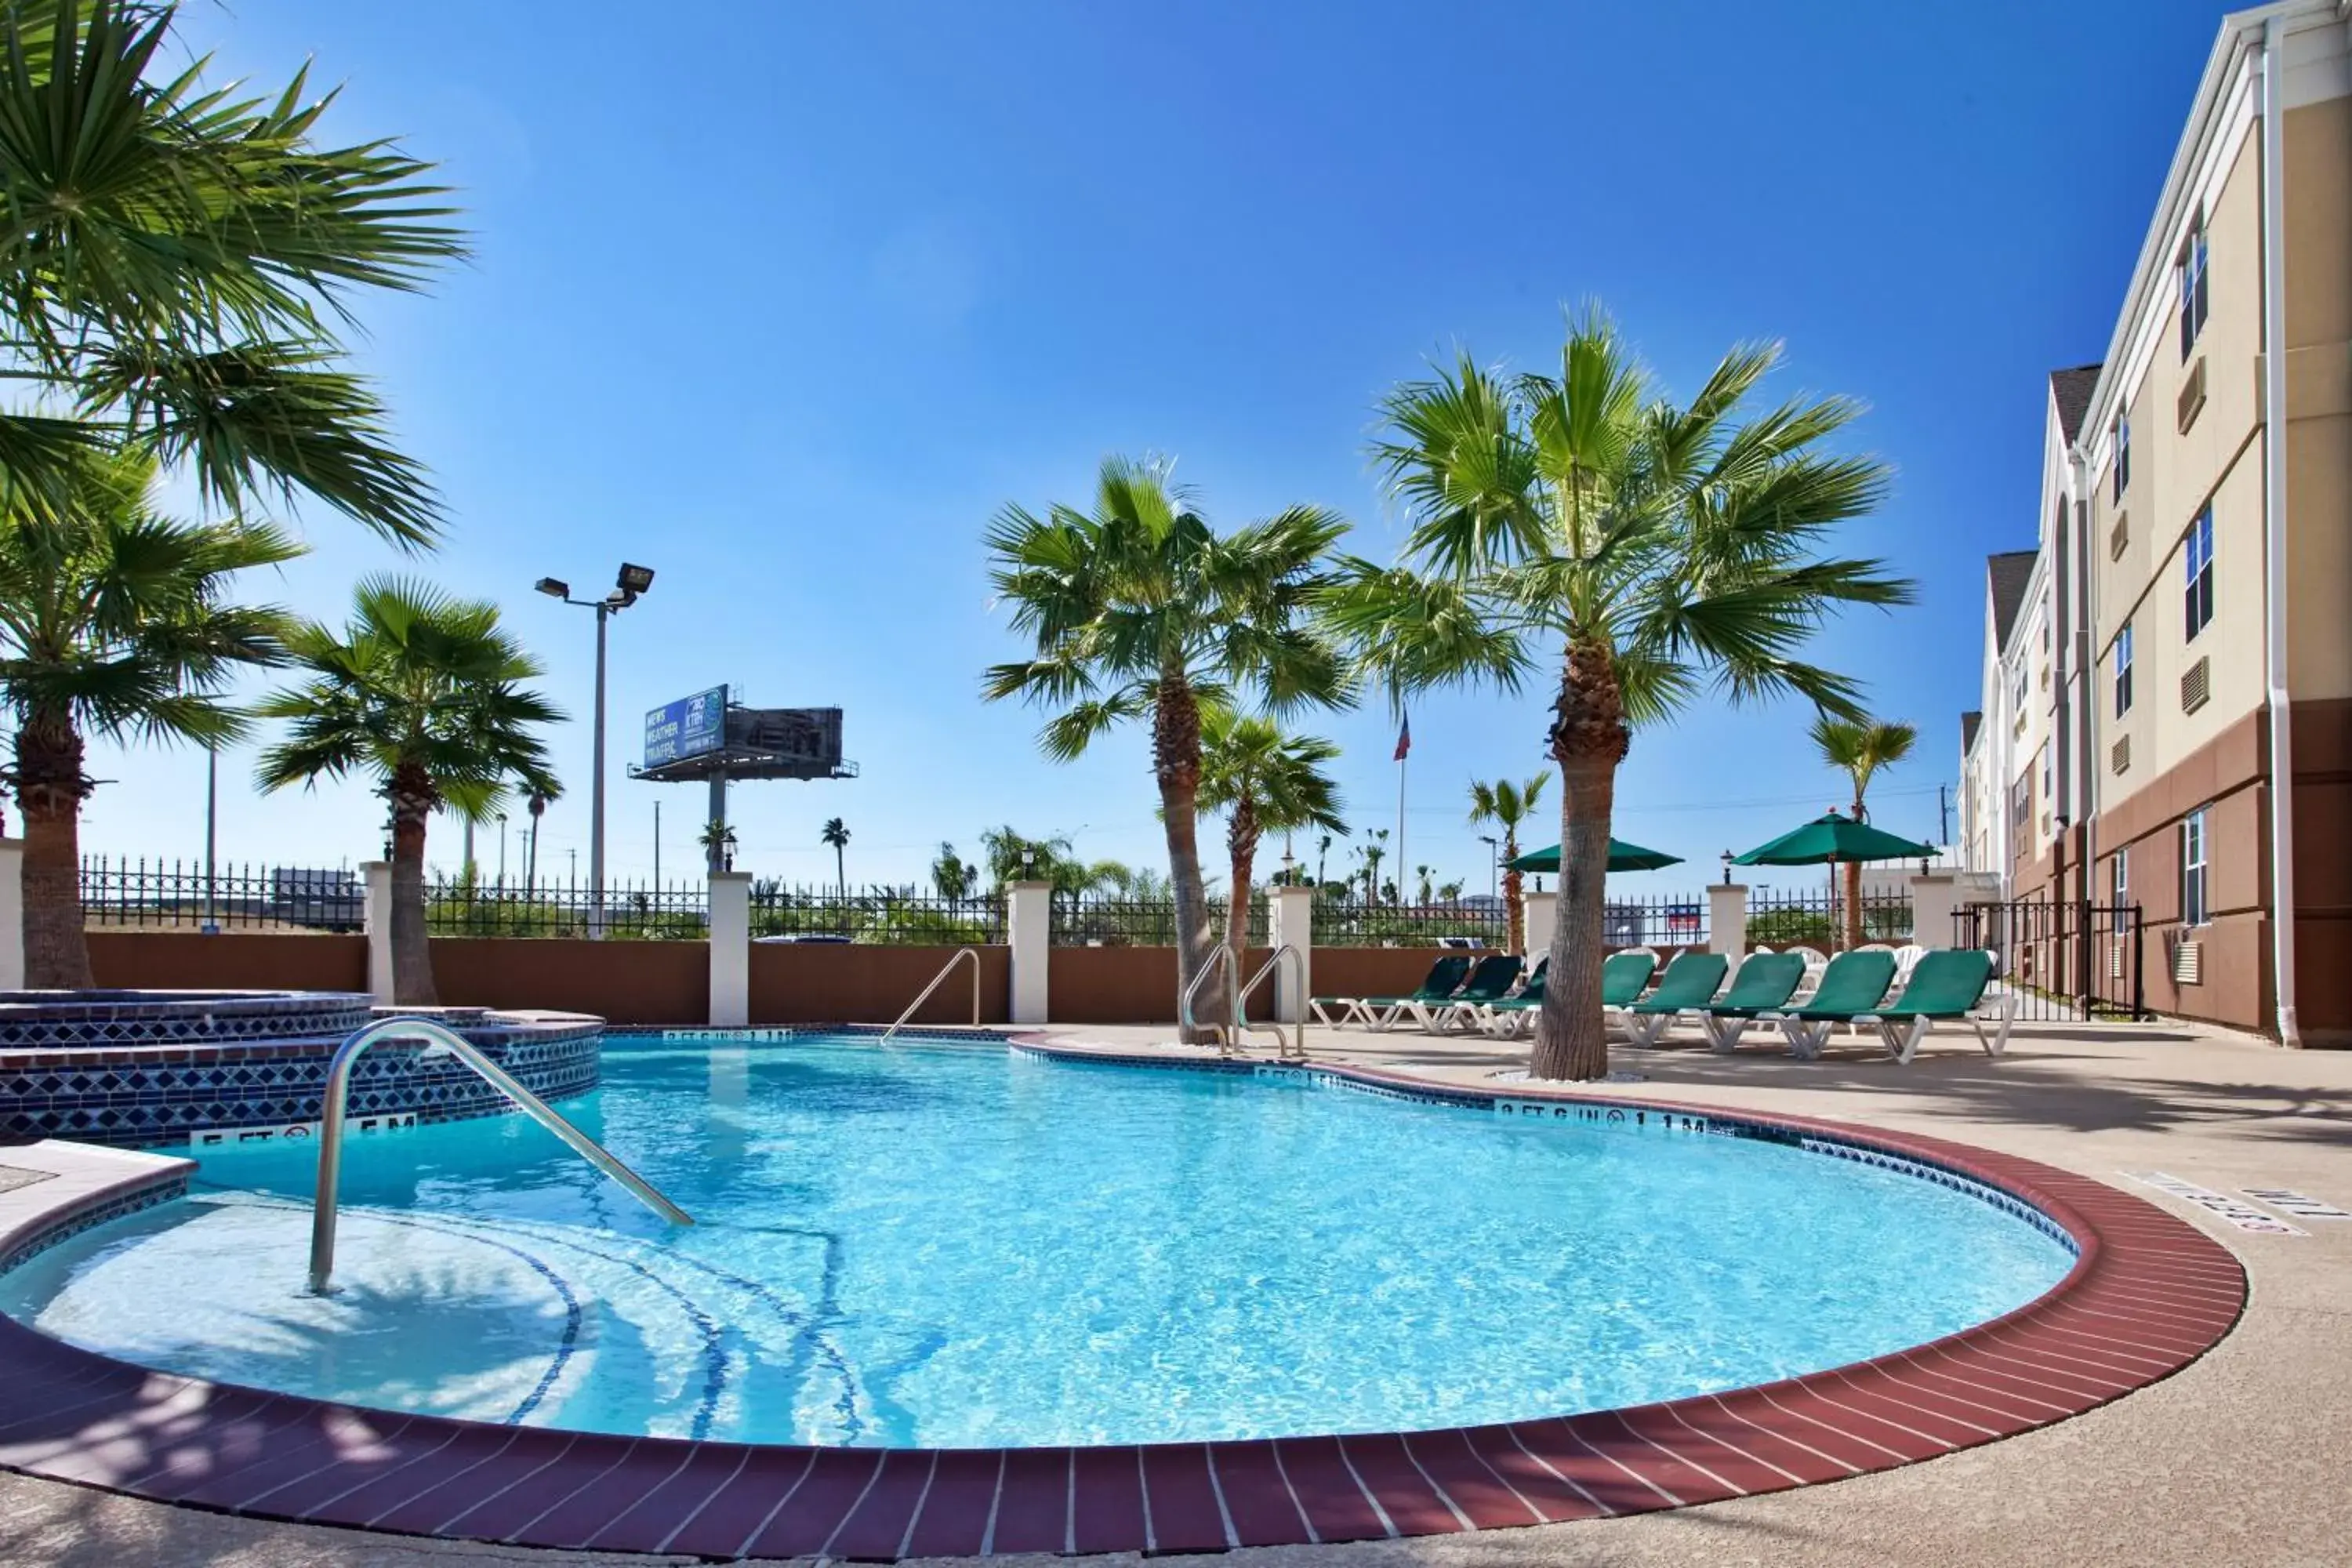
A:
{"points": [[1624, 977], [1490, 982], [1944, 984], [1444, 978], [1690, 980], [1501, 1017], [1764, 983], [1851, 990]]}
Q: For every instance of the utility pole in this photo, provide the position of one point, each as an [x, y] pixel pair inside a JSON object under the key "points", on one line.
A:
{"points": [[657, 844], [1943, 818]]}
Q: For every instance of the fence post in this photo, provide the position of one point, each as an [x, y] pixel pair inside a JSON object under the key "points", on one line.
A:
{"points": [[1029, 931], [12, 914], [1290, 922], [1542, 920], [1935, 900], [731, 949], [376, 877], [1727, 920]]}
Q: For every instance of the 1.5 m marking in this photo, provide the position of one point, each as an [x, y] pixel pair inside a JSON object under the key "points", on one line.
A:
{"points": [[2244, 1216], [2286, 1200]]}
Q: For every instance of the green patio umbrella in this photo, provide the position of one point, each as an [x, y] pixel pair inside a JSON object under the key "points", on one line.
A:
{"points": [[1829, 840], [1623, 857]]}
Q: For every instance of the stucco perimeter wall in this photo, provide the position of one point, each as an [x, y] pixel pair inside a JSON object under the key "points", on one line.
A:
{"points": [[233, 961], [620, 982], [845, 982], [1131, 986]]}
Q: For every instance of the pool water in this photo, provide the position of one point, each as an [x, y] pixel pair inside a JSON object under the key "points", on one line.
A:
{"points": [[962, 1244]]}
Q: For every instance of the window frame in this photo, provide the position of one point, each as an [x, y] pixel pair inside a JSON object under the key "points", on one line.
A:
{"points": [[2196, 870], [2119, 878], [2123, 455], [2193, 266], [2123, 669], [2197, 560]]}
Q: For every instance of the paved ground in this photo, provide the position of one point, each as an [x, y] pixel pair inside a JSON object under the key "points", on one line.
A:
{"points": [[2245, 1458]]}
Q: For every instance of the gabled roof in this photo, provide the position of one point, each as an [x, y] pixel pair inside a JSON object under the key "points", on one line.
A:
{"points": [[1968, 722], [2071, 389], [2006, 576]]}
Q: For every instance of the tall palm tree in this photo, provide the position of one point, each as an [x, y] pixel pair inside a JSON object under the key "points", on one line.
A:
{"points": [[836, 834], [1859, 747], [718, 842], [422, 691], [177, 260], [951, 875], [1670, 552], [536, 801], [1267, 781], [1375, 849], [1138, 612], [112, 621], [1508, 804]]}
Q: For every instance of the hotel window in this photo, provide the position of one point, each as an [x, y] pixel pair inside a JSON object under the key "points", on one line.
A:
{"points": [[2197, 553], [2123, 878], [2193, 907], [2123, 455], [2017, 700], [2192, 287], [2020, 803], [2123, 670]]}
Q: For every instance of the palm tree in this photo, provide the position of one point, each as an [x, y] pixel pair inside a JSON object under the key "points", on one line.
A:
{"points": [[178, 259], [1450, 892], [537, 801], [422, 691], [1670, 552], [1508, 804], [112, 621], [1859, 747], [1421, 893], [1138, 612], [952, 875], [1376, 848], [718, 842], [836, 834], [1267, 781]]}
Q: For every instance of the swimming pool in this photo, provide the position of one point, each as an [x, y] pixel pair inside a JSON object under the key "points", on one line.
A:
{"points": [[965, 1245]]}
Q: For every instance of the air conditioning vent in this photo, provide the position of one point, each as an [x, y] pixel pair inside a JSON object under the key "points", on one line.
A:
{"points": [[2046, 825], [2119, 537], [2119, 755], [2116, 958], [2189, 963], [2197, 685], [2192, 395]]}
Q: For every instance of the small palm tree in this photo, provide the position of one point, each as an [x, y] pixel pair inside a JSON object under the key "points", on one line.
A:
{"points": [[836, 834], [1666, 552], [422, 691], [112, 621], [1375, 850], [1508, 804], [951, 875], [537, 800], [1859, 747], [718, 842], [1138, 612], [1267, 781]]}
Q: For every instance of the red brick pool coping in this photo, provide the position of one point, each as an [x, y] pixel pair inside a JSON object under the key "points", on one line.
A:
{"points": [[2148, 1294]]}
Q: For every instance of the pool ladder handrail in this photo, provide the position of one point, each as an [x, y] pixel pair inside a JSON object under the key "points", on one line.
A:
{"points": [[1228, 1035], [945, 970], [331, 1130]]}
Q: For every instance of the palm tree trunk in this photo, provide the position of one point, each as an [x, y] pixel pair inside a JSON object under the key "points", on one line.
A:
{"points": [[1176, 764], [1589, 738], [1513, 901], [1853, 891], [49, 790], [412, 954], [840, 872], [1241, 838]]}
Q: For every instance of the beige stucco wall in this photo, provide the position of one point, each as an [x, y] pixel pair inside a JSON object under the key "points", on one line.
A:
{"points": [[2319, 225]]}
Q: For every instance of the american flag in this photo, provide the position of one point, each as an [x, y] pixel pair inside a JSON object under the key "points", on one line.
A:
{"points": [[1404, 739]]}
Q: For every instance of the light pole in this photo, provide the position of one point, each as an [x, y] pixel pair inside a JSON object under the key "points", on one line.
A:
{"points": [[628, 586], [1493, 862], [212, 820], [502, 852]]}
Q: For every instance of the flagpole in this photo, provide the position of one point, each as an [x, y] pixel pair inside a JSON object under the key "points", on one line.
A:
{"points": [[1401, 856]]}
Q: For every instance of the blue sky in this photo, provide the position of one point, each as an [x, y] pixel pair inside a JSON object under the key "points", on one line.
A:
{"points": [[788, 305]]}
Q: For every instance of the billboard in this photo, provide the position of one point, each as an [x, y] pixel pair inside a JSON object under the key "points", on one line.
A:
{"points": [[686, 728]]}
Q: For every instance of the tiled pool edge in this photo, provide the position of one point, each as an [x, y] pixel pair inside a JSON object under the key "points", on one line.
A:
{"points": [[2148, 1294]]}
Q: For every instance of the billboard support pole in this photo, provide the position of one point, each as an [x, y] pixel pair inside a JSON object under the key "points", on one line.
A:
{"points": [[719, 819], [597, 796]]}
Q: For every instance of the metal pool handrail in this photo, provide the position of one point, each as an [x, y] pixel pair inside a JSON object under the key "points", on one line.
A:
{"points": [[1223, 959], [956, 957], [1297, 1047], [338, 1088]]}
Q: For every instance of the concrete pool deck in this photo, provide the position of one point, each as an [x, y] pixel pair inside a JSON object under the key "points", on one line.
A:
{"points": [[2244, 1458]]}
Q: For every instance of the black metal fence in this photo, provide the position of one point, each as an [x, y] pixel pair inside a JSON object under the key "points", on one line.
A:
{"points": [[2065, 960], [1138, 922], [123, 891], [676, 911], [1411, 925], [892, 917], [1660, 920], [1814, 917]]}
